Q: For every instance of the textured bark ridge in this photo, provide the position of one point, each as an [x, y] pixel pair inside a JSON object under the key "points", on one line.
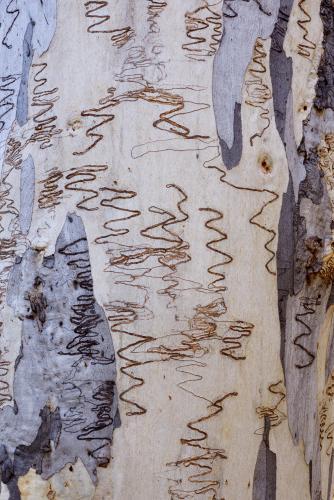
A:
{"points": [[64, 383], [167, 249]]}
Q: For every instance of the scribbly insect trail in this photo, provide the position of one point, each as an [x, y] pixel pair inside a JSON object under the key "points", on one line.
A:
{"points": [[44, 99], [306, 48], [123, 214], [308, 305], [257, 90], [166, 122], [81, 179], [177, 253], [201, 460], [9, 220], [11, 11], [99, 20], [154, 9], [99, 112], [199, 47], [274, 413], [132, 262], [273, 198], [122, 314], [213, 245], [6, 102], [5, 395], [13, 153], [51, 195]]}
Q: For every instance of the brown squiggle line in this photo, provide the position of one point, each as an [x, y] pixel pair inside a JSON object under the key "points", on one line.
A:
{"points": [[211, 245], [166, 121], [204, 460], [305, 49], [252, 220], [13, 153], [17, 13], [275, 415], [154, 9], [6, 82], [309, 306], [5, 396], [119, 37], [127, 312], [51, 196], [7, 207], [45, 128], [176, 254], [117, 194], [82, 175], [258, 92], [195, 24], [322, 422]]}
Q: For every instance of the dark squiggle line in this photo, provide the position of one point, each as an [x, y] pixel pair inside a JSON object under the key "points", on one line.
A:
{"points": [[126, 313], [275, 415], [51, 195], [258, 92], [203, 460], [5, 396], [195, 24], [6, 82], [305, 49], [45, 128], [154, 9], [252, 220], [211, 245], [17, 13], [119, 37], [166, 121], [118, 194], [176, 254], [309, 306], [83, 175]]}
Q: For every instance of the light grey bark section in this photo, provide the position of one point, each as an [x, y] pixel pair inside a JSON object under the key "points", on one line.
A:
{"points": [[64, 383], [241, 30], [27, 194], [264, 485]]}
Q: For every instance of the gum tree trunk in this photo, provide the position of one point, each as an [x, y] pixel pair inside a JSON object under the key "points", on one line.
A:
{"points": [[167, 249]]}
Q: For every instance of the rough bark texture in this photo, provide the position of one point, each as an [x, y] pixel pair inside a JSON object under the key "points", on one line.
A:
{"points": [[167, 249]]}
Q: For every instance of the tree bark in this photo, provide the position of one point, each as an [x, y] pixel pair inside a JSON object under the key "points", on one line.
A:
{"points": [[167, 249]]}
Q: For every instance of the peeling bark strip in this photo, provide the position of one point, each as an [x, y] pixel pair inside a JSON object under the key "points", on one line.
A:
{"points": [[64, 386], [305, 245], [244, 22], [264, 486]]}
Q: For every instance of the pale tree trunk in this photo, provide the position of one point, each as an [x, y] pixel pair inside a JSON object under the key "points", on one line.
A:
{"points": [[167, 249]]}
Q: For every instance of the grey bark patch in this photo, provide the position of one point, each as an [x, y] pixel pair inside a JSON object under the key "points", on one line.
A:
{"points": [[22, 99], [285, 258], [264, 483], [27, 194], [7, 474], [244, 22], [65, 376], [232, 155]]}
